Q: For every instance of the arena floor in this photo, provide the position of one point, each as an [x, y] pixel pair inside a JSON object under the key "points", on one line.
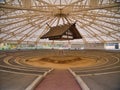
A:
{"points": [[99, 69]]}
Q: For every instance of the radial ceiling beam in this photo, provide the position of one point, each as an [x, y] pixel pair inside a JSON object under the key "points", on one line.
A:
{"points": [[11, 23], [87, 29], [46, 29], [13, 34], [50, 22], [31, 31], [96, 19], [84, 39], [22, 26], [98, 15], [92, 22], [18, 16], [23, 8], [100, 26], [98, 7], [103, 28], [112, 23]]}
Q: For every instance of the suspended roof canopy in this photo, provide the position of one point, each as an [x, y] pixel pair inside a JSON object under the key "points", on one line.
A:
{"points": [[25, 20], [63, 32]]}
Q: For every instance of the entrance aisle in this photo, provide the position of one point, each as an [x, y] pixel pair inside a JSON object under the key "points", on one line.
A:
{"points": [[59, 80]]}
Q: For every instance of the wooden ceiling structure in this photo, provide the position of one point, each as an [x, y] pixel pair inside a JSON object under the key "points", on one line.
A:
{"points": [[26, 20]]}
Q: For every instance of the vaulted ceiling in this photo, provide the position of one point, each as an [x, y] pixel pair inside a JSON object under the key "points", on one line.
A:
{"points": [[27, 20]]}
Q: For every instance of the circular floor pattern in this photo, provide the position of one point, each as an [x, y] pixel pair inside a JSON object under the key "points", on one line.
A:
{"points": [[61, 59], [14, 64], [62, 63], [38, 62]]}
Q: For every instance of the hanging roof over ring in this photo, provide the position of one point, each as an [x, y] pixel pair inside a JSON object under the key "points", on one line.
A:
{"points": [[25, 20], [63, 32]]}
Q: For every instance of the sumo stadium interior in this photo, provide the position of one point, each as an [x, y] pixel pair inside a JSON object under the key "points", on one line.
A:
{"points": [[59, 44]]}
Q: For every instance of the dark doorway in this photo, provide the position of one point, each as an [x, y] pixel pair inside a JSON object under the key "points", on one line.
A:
{"points": [[116, 46]]}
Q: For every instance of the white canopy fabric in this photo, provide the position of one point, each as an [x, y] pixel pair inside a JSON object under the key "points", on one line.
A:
{"points": [[27, 20]]}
